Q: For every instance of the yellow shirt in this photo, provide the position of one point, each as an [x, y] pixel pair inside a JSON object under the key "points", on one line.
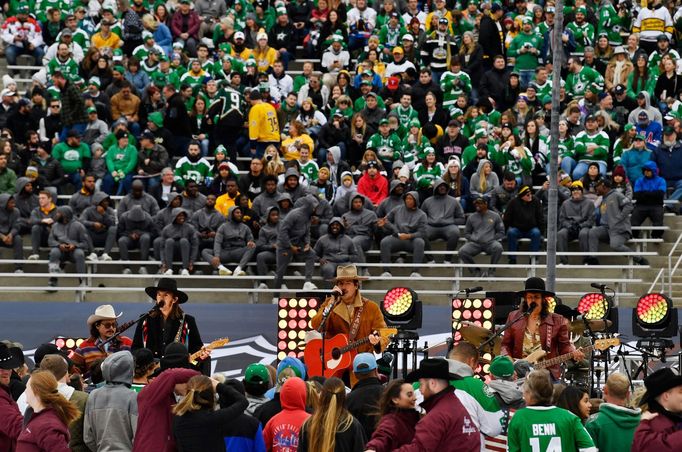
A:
{"points": [[113, 41], [265, 59], [224, 202], [263, 125], [291, 146]]}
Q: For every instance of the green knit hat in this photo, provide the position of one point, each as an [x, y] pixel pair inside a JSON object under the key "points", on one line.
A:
{"points": [[156, 118]]}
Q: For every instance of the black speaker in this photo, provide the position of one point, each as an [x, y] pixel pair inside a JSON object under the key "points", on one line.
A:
{"points": [[505, 302]]}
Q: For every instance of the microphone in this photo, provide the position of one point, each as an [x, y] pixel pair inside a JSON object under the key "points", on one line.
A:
{"points": [[598, 286], [473, 289], [160, 305], [336, 293], [531, 308]]}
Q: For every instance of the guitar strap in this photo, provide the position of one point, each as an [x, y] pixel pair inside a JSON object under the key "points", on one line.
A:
{"points": [[355, 326], [178, 335]]}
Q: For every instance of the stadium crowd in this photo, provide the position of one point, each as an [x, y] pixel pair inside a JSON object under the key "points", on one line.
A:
{"points": [[408, 120], [128, 401]]}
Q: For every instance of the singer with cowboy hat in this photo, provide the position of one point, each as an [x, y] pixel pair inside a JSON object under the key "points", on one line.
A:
{"points": [[103, 325], [351, 313], [169, 323], [534, 327]]}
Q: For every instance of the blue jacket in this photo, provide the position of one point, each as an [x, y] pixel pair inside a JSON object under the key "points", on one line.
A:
{"points": [[633, 161], [163, 37], [653, 133], [650, 190], [669, 161]]}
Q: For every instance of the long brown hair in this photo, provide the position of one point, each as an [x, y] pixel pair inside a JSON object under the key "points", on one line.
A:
{"points": [[330, 417], [44, 386], [200, 396], [392, 391]]}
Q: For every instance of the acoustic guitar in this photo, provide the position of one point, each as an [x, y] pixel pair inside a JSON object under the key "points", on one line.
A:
{"points": [[338, 353], [536, 361], [215, 344]]}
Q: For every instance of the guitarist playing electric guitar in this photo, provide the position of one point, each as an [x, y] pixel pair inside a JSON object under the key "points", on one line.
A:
{"points": [[533, 327], [352, 315]]}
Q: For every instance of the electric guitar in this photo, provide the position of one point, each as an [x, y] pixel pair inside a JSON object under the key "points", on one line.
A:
{"points": [[215, 344], [535, 358], [338, 353]]}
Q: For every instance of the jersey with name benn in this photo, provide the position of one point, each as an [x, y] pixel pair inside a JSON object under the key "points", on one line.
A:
{"points": [[548, 429]]}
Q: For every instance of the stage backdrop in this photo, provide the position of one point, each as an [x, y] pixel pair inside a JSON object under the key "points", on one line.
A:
{"points": [[251, 328]]}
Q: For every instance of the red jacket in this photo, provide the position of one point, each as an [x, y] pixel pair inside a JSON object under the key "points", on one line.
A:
{"points": [[154, 419], [11, 423], [554, 326], [193, 23], [376, 190], [281, 432], [394, 430], [660, 434], [45, 432], [447, 427]]}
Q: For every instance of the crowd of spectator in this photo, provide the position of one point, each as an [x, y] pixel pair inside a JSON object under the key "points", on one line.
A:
{"points": [[130, 402], [408, 120]]}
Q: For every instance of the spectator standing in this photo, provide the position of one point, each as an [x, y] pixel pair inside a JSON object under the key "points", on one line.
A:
{"points": [[364, 397], [12, 418], [490, 35], [398, 417], [73, 114], [282, 431], [649, 192], [263, 125]]}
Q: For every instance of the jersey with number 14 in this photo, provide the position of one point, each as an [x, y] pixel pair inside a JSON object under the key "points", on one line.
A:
{"points": [[548, 429]]}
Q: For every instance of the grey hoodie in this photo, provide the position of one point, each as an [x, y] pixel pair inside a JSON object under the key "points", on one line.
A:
{"points": [[25, 202], [263, 202], [191, 205], [491, 180], [90, 215], [509, 393], [268, 233], [185, 230], [654, 114], [615, 211], [297, 192], [337, 249], [205, 220], [410, 221], [71, 232], [576, 212], [80, 201], [483, 229], [442, 210], [9, 221], [135, 220], [231, 234], [110, 418], [362, 222], [295, 228], [147, 202], [391, 202], [165, 215]]}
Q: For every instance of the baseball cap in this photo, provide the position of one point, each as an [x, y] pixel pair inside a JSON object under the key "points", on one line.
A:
{"points": [[398, 49], [495, 8], [363, 363], [454, 123], [147, 134], [408, 37], [663, 37], [619, 89], [372, 164], [590, 117], [239, 35], [383, 121], [640, 136], [502, 367], [92, 110], [7, 92], [257, 373], [668, 131]]}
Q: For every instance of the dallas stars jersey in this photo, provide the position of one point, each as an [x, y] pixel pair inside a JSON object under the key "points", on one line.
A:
{"points": [[69, 68], [405, 115], [192, 79], [583, 140], [655, 59], [453, 85], [610, 23], [545, 89], [387, 148], [425, 176], [548, 429], [577, 83], [186, 170], [584, 35]]}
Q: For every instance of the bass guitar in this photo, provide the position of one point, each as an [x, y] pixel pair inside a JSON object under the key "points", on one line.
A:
{"points": [[338, 353], [537, 362], [215, 344]]}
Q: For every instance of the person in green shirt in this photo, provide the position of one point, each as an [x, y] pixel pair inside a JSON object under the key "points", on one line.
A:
{"points": [[121, 161], [74, 157], [525, 49], [580, 77], [542, 427], [583, 31], [591, 145], [387, 145]]}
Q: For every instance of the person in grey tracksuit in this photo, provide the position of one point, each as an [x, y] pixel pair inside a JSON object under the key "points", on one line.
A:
{"points": [[10, 222], [334, 248], [285, 205], [613, 224], [179, 236], [292, 185], [233, 242], [360, 225], [576, 217], [394, 199], [484, 231], [137, 197], [293, 240], [443, 214], [406, 229], [319, 222], [135, 228], [27, 200], [266, 248], [100, 221], [207, 221], [162, 218], [68, 240], [267, 198], [41, 220], [82, 199]]}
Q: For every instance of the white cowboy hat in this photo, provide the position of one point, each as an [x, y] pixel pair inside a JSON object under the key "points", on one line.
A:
{"points": [[106, 311]]}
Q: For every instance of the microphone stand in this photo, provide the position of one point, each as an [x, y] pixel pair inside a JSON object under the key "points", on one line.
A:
{"points": [[126, 326], [499, 332], [322, 329]]}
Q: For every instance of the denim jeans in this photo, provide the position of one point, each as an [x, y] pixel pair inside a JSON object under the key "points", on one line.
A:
{"points": [[12, 52], [514, 234]]}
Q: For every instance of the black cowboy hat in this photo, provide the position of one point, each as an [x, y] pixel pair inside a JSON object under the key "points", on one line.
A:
{"points": [[9, 358], [535, 285], [432, 368], [659, 382], [170, 285]]}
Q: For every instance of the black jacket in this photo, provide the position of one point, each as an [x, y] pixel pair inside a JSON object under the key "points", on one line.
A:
{"points": [[331, 136], [523, 215], [177, 118], [362, 402], [268, 410], [474, 67], [490, 39], [493, 85], [158, 337]]}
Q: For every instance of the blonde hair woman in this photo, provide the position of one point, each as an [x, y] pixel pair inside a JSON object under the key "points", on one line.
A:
{"points": [[48, 429], [332, 427]]}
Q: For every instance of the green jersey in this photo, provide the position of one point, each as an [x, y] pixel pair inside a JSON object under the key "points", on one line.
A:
{"points": [[453, 85], [610, 23], [525, 49], [71, 158], [359, 103], [583, 34], [547, 429], [69, 68], [405, 115], [519, 161], [592, 148], [577, 84], [387, 148], [424, 176], [187, 170], [309, 169]]}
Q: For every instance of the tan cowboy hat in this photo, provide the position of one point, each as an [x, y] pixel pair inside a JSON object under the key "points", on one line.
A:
{"points": [[106, 311], [348, 272]]}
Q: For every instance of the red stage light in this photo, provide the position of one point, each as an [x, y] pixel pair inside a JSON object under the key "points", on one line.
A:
{"points": [[479, 312], [593, 306], [293, 321]]}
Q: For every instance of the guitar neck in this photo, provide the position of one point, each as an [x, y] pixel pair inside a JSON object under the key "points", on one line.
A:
{"points": [[561, 358], [354, 344], [126, 325]]}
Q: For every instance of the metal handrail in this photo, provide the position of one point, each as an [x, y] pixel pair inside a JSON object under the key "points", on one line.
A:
{"points": [[661, 276], [670, 264]]}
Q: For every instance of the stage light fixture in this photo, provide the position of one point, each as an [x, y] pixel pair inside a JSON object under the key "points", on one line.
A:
{"points": [[293, 320], [68, 343], [594, 306], [654, 316], [402, 309], [477, 312]]}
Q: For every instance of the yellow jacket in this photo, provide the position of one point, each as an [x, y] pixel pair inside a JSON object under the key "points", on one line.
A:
{"points": [[263, 125]]}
